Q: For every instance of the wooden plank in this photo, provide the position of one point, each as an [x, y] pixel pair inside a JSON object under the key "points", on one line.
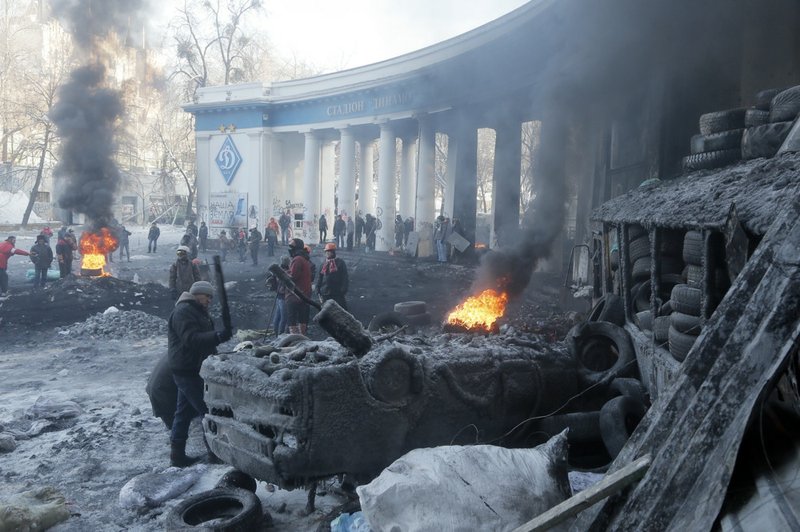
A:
{"points": [[609, 485]]}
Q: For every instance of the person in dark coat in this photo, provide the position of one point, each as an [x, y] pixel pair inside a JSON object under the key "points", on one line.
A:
{"points": [[339, 231], [359, 229], [398, 231], [332, 280], [370, 226], [152, 238], [323, 228], [408, 227], [254, 243], [279, 319], [192, 228], [350, 230], [203, 236], [65, 248], [42, 257], [297, 310], [284, 222], [162, 392], [191, 339], [183, 273], [124, 243]]}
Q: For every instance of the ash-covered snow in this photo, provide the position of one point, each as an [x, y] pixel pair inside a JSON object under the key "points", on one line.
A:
{"points": [[117, 326]]}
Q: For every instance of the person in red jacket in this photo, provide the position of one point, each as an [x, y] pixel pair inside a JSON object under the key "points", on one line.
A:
{"points": [[7, 248], [297, 310]]}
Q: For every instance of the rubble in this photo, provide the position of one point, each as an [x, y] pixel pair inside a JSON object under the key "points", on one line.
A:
{"points": [[117, 326]]}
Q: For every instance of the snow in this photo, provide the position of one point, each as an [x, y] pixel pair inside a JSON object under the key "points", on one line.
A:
{"points": [[12, 208]]}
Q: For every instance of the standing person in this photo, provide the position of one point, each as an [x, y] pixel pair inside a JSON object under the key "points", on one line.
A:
{"points": [[64, 248], [224, 244], [7, 249], [398, 231], [284, 222], [152, 238], [124, 243], [42, 257], [191, 228], [183, 273], [408, 227], [370, 226], [297, 310], [333, 281], [350, 230], [255, 243], [323, 228], [241, 244], [203, 235], [440, 233], [47, 233], [191, 338], [339, 231], [271, 235], [359, 229], [279, 319], [63, 231]]}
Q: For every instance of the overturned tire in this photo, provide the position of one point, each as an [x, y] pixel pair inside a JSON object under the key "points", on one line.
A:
{"points": [[619, 417], [603, 351], [710, 159], [608, 308], [387, 322], [221, 510]]}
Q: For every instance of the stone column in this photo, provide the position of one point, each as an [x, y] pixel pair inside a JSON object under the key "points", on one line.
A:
{"points": [[366, 193], [408, 177], [426, 187], [347, 174], [387, 183], [327, 194], [505, 190], [465, 191], [311, 167]]}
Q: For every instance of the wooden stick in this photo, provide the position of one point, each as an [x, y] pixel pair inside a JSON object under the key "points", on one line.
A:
{"points": [[609, 485]]}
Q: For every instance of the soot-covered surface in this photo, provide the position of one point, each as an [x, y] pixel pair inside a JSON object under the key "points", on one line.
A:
{"points": [[760, 188]]}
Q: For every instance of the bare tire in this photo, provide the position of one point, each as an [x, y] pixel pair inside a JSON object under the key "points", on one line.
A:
{"points": [[764, 98], [693, 248], [237, 479], [608, 308], [711, 159], [641, 269], [619, 417], [694, 275], [719, 121], [686, 299], [785, 105], [639, 248], [408, 308], [230, 509], [635, 231], [756, 117], [661, 330], [395, 377], [724, 140], [680, 344], [686, 323], [290, 339], [603, 351], [631, 387], [644, 320], [641, 295], [387, 322], [764, 141]]}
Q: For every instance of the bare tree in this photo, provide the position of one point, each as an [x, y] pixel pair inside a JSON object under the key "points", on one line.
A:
{"points": [[486, 142], [531, 132], [212, 43]]}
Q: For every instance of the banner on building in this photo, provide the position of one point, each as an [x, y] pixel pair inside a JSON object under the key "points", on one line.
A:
{"points": [[227, 209]]}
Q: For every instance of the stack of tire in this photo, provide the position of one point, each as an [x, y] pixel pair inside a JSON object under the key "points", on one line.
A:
{"points": [[685, 321], [719, 141], [639, 255], [671, 268], [768, 123], [415, 313]]}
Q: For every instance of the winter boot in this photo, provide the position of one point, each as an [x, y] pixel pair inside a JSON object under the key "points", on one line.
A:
{"points": [[177, 455]]}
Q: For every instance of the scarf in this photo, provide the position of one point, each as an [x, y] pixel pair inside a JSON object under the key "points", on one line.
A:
{"points": [[329, 266]]}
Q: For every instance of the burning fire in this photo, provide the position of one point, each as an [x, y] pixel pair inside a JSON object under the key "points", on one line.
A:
{"points": [[94, 247], [479, 312]]}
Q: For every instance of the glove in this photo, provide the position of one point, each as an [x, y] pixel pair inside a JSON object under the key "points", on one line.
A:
{"points": [[224, 335]]}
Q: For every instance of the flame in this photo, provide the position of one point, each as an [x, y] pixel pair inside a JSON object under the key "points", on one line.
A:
{"points": [[94, 247], [479, 311]]}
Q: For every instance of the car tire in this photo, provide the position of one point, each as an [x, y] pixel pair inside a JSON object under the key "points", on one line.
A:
{"points": [[387, 322], [639, 248], [686, 299], [237, 479], [231, 509], [661, 330], [724, 140], [603, 351], [641, 269], [711, 159], [694, 275], [395, 377], [785, 105], [764, 98], [640, 294], [644, 320], [619, 418], [756, 117], [720, 121], [764, 141], [408, 308], [635, 231], [686, 323], [608, 308], [419, 320], [629, 386], [290, 340], [693, 248], [680, 344]]}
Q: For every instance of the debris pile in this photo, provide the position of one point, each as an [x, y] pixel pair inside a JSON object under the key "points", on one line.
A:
{"points": [[117, 325]]}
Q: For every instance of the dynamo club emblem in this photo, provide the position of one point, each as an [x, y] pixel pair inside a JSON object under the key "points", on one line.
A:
{"points": [[228, 160]]}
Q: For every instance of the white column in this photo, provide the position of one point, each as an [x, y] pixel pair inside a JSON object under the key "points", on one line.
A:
{"points": [[328, 181], [407, 177], [386, 188], [366, 191], [426, 187], [347, 174], [203, 174], [310, 188]]}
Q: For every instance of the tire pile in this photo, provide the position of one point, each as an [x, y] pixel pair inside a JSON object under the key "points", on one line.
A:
{"points": [[745, 133]]}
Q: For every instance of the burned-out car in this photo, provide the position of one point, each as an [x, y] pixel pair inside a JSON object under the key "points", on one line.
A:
{"points": [[289, 415]]}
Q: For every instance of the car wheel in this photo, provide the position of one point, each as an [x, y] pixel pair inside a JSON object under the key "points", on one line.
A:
{"points": [[230, 509]]}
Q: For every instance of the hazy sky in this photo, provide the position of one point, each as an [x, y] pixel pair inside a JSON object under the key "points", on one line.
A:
{"points": [[350, 33]]}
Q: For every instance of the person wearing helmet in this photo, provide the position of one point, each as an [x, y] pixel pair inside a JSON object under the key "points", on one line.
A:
{"points": [[297, 310], [183, 273], [333, 281]]}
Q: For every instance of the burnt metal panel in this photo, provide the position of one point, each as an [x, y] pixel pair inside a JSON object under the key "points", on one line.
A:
{"points": [[695, 428]]}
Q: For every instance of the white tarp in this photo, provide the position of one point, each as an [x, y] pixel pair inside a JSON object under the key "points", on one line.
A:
{"points": [[479, 487]]}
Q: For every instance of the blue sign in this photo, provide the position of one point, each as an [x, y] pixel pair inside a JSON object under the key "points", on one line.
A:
{"points": [[228, 160]]}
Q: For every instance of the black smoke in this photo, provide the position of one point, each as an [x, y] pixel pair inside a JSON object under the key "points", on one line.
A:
{"points": [[85, 114], [91, 20]]}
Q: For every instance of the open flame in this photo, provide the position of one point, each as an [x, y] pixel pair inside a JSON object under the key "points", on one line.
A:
{"points": [[479, 312], [94, 247]]}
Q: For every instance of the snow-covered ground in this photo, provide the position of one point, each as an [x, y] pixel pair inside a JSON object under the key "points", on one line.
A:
{"points": [[12, 208]]}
